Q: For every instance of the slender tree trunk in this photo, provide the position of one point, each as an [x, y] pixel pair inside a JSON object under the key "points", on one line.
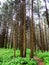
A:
{"points": [[32, 34], [21, 40], [23, 30], [46, 12], [40, 41], [42, 38], [24, 33], [4, 33], [41, 30], [14, 43], [15, 39], [46, 37]]}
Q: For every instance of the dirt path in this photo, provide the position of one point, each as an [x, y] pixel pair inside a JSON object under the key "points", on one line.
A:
{"points": [[40, 62]]}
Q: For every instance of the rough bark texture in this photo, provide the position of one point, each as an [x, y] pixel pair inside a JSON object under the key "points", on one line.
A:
{"points": [[23, 30], [24, 40], [32, 34]]}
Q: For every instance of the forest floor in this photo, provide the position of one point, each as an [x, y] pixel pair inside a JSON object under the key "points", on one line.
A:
{"points": [[40, 62]]}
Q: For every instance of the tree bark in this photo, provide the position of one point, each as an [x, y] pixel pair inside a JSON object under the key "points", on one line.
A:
{"points": [[46, 13], [32, 34]]}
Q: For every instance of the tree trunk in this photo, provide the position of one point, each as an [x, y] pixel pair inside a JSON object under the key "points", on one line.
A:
{"points": [[46, 12], [23, 30], [24, 33], [14, 38], [32, 34]]}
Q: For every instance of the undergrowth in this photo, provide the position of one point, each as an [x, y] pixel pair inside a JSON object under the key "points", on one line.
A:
{"points": [[6, 58]]}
